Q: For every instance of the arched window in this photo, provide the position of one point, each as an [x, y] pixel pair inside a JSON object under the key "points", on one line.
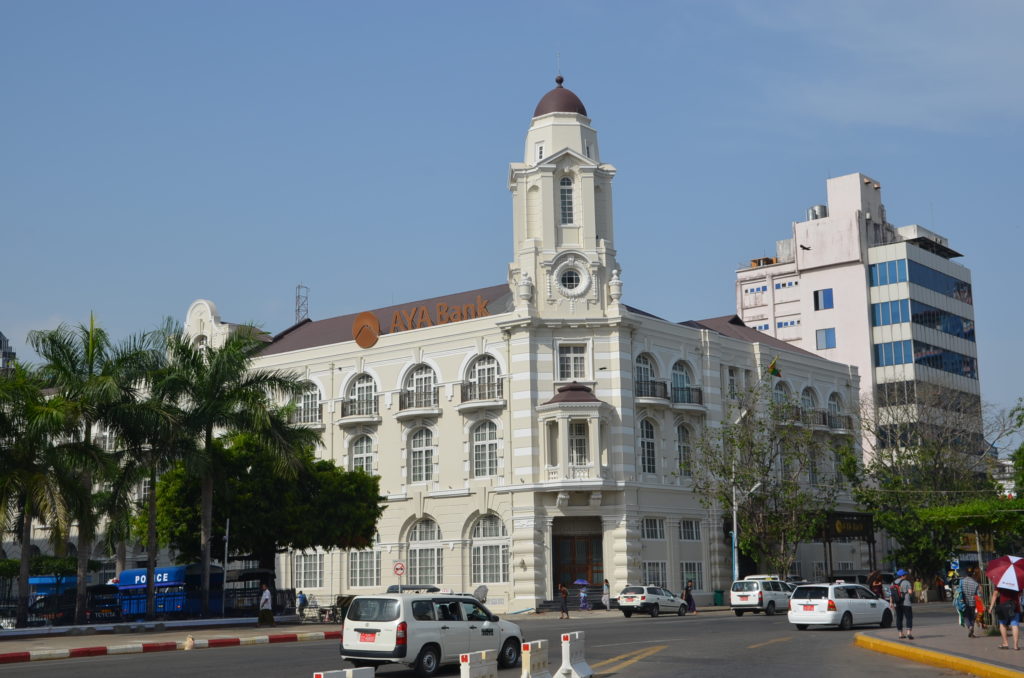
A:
{"points": [[644, 368], [362, 454], [309, 410], [835, 405], [682, 376], [684, 451], [780, 394], [425, 558], [489, 551], [808, 400], [421, 387], [485, 450], [645, 384], [565, 200], [483, 383], [362, 397], [421, 456], [648, 459]]}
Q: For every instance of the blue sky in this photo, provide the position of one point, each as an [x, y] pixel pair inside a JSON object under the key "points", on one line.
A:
{"points": [[154, 153]]}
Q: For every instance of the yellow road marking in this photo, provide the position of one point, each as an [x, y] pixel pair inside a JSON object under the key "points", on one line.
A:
{"points": [[637, 656], [620, 657], [769, 642]]}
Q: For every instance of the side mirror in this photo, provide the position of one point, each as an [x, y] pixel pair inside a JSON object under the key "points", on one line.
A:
{"points": [[493, 618]]}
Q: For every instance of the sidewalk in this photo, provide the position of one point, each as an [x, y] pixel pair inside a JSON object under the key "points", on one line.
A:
{"points": [[15, 649], [946, 645]]}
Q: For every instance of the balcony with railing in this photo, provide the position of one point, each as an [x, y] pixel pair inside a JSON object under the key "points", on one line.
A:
{"points": [[355, 411], [575, 472], [816, 418], [481, 395], [418, 403], [651, 392], [840, 422], [687, 398]]}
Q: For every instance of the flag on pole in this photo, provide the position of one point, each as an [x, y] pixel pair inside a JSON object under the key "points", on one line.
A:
{"points": [[772, 369]]}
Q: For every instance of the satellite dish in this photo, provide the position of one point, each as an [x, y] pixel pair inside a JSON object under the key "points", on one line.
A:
{"points": [[480, 593]]}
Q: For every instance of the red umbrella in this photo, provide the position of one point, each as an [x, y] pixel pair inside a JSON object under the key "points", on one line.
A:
{"points": [[1006, 572]]}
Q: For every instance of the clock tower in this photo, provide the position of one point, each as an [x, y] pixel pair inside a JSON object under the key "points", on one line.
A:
{"points": [[564, 255]]}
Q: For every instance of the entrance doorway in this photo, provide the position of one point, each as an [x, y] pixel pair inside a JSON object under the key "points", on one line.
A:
{"points": [[578, 557]]}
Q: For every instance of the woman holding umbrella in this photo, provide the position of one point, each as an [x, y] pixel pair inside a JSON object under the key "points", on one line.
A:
{"points": [[1007, 573], [583, 584]]}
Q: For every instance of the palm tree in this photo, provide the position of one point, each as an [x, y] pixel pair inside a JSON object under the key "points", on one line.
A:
{"points": [[218, 391], [35, 479], [91, 374]]}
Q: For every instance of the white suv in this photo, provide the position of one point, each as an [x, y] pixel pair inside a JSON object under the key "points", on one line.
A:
{"points": [[424, 631], [650, 599], [758, 595]]}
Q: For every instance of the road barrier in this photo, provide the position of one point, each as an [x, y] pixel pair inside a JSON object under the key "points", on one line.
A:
{"points": [[478, 664], [574, 664], [365, 672], [535, 660]]}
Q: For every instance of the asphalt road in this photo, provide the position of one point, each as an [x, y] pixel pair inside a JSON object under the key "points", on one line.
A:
{"points": [[711, 644]]}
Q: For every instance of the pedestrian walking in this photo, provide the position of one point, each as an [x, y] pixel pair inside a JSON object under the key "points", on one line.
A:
{"points": [[584, 602], [901, 599], [691, 604], [876, 584], [266, 614], [606, 595], [564, 593], [1005, 606], [303, 604], [969, 589]]}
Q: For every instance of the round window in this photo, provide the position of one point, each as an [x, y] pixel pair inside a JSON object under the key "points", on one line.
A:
{"points": [[570, 279]]}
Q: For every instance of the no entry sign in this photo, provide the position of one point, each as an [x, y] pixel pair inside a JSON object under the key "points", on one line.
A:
{"points": [[399, 568]]}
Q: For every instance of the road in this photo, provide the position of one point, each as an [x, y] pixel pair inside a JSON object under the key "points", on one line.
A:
{"points": [[707, 645]]}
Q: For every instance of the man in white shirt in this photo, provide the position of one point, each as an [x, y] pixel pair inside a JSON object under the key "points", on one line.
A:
{"points": [[266, 614]]}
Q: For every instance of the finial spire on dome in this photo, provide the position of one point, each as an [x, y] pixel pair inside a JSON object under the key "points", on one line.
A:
{"points": [[559, 79]]}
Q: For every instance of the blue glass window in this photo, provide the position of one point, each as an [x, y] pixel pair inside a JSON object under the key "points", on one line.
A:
{"points": [[826, 338]]}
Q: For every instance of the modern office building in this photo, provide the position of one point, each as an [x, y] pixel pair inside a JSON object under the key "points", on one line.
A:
{"points": [[7, 356], [853, 288], [531, 432]]}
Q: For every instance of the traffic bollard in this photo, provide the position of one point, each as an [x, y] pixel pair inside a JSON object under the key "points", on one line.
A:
{"points": [[574, 664], [365, 672], [478, 664], [535, 660]]}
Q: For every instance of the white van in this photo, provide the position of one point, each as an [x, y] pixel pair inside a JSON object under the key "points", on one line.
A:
{"points": [[759, 595], [424, 631]]}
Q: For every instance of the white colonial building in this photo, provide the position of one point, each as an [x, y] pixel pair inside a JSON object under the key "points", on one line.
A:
{"points": [[531, 433]]}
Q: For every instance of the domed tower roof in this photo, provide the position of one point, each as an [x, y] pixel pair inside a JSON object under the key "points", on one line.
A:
{"points": [[574, 392], [559, 100]]}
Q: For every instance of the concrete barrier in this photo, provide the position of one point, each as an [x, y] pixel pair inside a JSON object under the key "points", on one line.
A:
{"points": [[478, 664], [535, 660], [365, 672], [574, 663]]}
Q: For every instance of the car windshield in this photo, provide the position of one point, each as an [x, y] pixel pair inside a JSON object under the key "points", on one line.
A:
{"points": [[811, 592], [373, 609], [632, 590], [744, 586]]}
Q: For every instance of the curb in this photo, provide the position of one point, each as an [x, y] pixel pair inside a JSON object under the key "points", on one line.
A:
{"points": [[973, 667], [138, 648]]}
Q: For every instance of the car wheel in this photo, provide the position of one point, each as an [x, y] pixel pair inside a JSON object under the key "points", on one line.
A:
{"points": [[738, 613], [886, 620], [627, 613], [428, 662], [655, 611], [846, 623], [682, 610], [770, 610], [509, 656], [801, 627]]}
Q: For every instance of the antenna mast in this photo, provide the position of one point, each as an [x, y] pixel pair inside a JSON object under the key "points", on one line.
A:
{"points": [[301, 303]]}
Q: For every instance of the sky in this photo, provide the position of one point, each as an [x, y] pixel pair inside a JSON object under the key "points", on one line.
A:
{"points": [[154, 153]]}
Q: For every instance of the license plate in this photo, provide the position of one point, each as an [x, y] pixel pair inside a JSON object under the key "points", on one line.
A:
{"points": [[630, 599], [808, 608], [367, 637], [744, 597]]}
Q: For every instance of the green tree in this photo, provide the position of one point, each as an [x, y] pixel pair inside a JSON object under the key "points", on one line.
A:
{"points": [[218, 390], [89, 373], [36, 481], [271, 508], [781, 474], [924, 450]]}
